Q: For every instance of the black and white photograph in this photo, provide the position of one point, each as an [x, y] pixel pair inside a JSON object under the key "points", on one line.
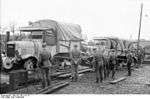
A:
{"points": [[74, 47]]}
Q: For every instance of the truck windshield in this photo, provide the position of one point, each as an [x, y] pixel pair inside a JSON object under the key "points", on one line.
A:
{"points": [[32, 34], [102, 42], [36, 35]]}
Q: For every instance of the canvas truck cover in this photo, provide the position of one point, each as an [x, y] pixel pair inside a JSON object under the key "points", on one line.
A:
{"points": [[64, 31]]}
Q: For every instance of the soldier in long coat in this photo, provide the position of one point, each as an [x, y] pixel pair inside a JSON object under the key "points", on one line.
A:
{"points": [[140, 57], [75, 55], [44, 62], [93, 59], [0, 58], [98, 58], [17, 62], [112, 63], [129, 62], [106, 64]]}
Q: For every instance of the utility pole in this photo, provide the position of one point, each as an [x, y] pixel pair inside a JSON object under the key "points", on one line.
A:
{"points": [[140, 22], [0, 52]]}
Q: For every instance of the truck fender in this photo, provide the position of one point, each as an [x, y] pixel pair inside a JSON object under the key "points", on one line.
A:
{"points": [[28, 56], [34, 58]]}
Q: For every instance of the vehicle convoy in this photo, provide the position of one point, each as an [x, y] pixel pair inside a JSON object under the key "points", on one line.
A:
{"points": [[60, 39]]}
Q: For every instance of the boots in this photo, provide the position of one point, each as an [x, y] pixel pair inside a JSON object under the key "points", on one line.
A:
{"points": [[97, 80], [72, 79]]}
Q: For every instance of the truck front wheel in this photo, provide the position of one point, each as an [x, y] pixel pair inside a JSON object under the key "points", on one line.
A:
{"points": [[29, 64]]}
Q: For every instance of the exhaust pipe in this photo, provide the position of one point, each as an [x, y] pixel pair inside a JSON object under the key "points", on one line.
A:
{"points": [[7, 36], [7, 39]]}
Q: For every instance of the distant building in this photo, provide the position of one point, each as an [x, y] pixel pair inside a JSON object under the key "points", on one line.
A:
{"points": [[144, 43]]}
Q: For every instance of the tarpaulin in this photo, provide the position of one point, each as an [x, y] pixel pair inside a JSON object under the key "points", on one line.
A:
{"points": [[64, 31]]}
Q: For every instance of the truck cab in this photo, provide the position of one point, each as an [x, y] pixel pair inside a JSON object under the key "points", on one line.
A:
{"points": [[28, 48]]}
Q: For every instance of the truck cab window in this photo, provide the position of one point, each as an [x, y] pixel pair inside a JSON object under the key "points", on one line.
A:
{"points": [[36, 35]]}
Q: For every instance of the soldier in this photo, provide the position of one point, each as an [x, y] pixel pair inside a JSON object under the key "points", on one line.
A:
{"points": [[142, 54], [1, 60], [98, 58], [106, 67], [112, 63], [75, 57], [94, 58], [140, 57], [44, 62], [135, 57], [17, 62], [129, 62]]}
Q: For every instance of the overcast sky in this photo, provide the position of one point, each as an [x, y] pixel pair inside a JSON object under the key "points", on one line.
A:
{"points": [[119, 18]]}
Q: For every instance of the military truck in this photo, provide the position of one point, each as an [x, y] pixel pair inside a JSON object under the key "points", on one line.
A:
{"points": [[60, 38], [109, 43]]}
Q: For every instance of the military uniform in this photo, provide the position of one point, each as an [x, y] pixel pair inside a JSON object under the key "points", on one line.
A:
{"points": [[75, 57], [44, 61], [135, 58], [140, 57], [98, 58], [106, 67], [129, 62], [106, 63], [17, 62], [112, 63], [0, 60], [142, 54], [93, 59]]}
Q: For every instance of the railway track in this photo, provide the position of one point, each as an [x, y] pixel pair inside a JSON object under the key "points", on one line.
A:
{"points": [[59, 80], [53, 88]]}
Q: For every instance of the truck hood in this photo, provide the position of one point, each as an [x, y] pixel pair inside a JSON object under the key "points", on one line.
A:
{"points": [[27, 47], [31, 48]]}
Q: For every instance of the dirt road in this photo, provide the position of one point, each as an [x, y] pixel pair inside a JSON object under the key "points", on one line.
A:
{"points": [[138, 83]]}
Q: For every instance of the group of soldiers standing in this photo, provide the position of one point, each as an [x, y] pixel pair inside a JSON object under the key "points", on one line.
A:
{"points": [[45, 64], [103, 66]]}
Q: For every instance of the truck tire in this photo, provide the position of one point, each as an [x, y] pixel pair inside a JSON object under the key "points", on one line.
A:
{"points": [[7, 66], [29, 64]]}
